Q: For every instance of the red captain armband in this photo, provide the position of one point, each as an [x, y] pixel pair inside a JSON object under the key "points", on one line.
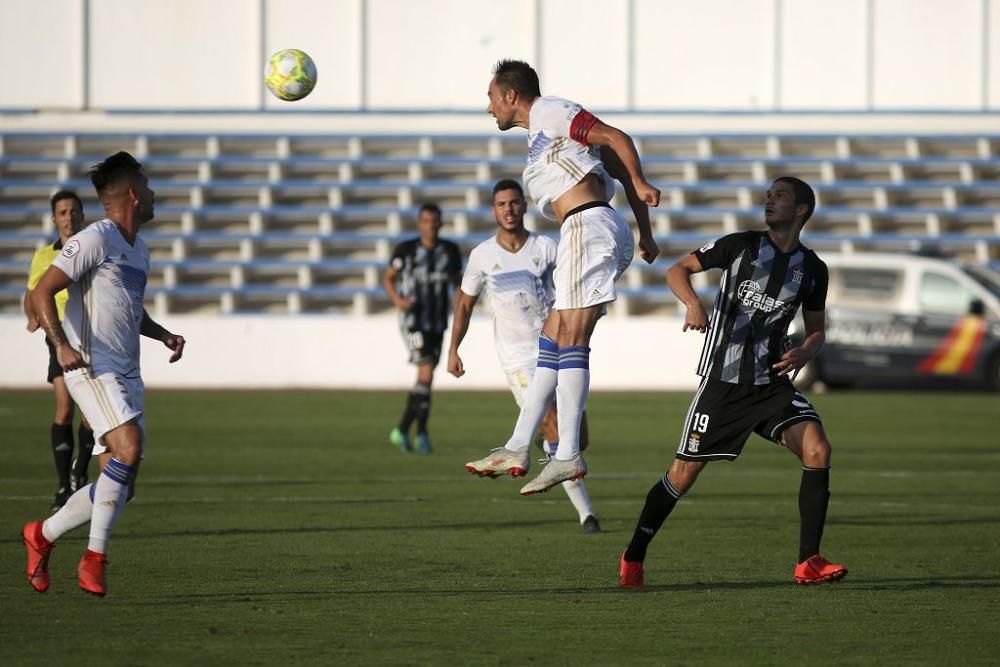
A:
{"points": [[580, 127]]}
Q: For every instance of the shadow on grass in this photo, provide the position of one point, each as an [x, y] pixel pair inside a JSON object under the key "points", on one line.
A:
{"points": [[878, 520], [325, 593], [319, 530]]}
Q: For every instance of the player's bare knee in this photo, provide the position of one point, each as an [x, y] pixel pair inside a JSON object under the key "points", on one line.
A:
{"points": [[816, 453], [683, 474]]}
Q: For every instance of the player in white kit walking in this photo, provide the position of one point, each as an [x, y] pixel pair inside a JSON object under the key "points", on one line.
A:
{"points": [[572, 158], [105, 268], [515, 268]]}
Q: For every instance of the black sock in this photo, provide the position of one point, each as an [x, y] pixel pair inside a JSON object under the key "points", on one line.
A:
{"points": [[414, 401], [423, 408], [85, 443], [814, 498], [61, 436], [660, 502]]}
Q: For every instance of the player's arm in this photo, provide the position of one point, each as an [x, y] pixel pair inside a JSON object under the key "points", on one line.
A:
{"points": [[648, 249], [679, 282], [34, 276], [43, 304], [602, 134], [29, 311], [464, 304], [815, 335], [389, 285], [151, 329]]}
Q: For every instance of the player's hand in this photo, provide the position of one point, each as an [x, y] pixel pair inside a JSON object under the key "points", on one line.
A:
{"points": [[793, 360], [696, 318], [647, 193], [32, 325], [404, 303], [68, 358], [648, 249], [455, 365], [175, 343]]}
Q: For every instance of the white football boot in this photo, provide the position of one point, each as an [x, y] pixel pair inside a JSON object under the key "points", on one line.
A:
{"points": [[502, 461], [555, 472]]}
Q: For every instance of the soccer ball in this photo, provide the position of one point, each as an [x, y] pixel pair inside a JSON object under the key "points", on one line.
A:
{"points": [[290, 74]]}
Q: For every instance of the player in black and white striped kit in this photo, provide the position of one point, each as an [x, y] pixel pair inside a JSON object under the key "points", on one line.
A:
{"points": [[745, 367], [421, 276]]}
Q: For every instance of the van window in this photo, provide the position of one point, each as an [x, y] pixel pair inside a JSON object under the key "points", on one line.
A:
{"points": [[942, 294], [868, 284]]}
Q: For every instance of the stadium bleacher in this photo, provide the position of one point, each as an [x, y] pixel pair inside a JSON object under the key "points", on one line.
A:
{"points": [[306, 223]]}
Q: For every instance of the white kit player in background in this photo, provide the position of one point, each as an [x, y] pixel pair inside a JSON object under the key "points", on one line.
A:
{"points": [[515, 268], [572, 159], [105, 268]]}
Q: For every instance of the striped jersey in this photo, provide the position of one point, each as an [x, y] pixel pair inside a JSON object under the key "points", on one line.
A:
{"points": [[426, 275], [760, 292], [39, 265], [558, 154], [105, 304], [521, 293]]}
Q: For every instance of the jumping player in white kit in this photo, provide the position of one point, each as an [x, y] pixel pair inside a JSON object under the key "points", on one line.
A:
{"points": [[572, 158], [514, 267], [105, 268]]}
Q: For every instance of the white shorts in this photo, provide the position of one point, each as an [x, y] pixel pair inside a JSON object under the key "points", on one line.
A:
{"points": [[595, 248], [518, 379], [107, 401]]}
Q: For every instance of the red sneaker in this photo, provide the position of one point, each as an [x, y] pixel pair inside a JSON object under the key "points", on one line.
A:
{"points": [[91, 572], [630, 574], [816, 570], [38, 549]]}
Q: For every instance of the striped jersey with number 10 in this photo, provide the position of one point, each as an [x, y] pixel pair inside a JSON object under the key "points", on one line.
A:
{"points": [[760, 292]]}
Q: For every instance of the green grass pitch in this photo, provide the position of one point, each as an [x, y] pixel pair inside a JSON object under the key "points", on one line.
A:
{"points": [[273, 527]]}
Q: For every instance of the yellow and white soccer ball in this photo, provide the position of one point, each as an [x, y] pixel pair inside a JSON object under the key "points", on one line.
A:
{"points": [[290, 74]]}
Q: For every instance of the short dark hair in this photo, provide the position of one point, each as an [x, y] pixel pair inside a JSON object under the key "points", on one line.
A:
{"points": [[803, 194], [508, 184], [430, 206], [115, 169], [64, 194], [518, 75]]}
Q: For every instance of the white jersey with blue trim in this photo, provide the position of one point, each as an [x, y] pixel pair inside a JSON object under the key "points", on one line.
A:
{"points": [[105, 304], [558, 154], [521, 294]]}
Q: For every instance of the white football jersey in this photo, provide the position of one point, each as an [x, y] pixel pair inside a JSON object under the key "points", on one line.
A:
{"points": [[521, 293], [105, 304], [558, 154]]}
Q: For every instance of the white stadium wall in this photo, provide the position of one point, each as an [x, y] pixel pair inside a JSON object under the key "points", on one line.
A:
{"points": [[634, 55], [354, 353]]}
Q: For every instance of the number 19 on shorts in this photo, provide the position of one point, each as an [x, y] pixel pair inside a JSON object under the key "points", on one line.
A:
{"points": [[699, 422]]}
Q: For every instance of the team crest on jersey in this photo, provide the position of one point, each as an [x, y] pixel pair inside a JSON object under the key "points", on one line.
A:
{"points": [[71, 249], [536, 260], [497, 267], [751, 295], [694, 441], [708, 246], [797, 276]]}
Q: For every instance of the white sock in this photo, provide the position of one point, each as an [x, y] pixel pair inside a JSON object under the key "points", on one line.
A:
{"points": [[571, 397], [537, 397], [73, 514], [577, 493], [110, 494]]}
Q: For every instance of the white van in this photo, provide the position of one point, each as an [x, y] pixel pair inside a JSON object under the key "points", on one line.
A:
{"points": [[896, 317]]}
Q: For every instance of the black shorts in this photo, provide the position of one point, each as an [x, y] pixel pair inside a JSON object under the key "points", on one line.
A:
{"points": [[55, 370], [723, 415], [424, 346]]}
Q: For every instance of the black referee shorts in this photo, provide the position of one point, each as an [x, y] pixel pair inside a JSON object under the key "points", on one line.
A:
{"points": [[723, 415], [424, 346], [55, 370]]}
